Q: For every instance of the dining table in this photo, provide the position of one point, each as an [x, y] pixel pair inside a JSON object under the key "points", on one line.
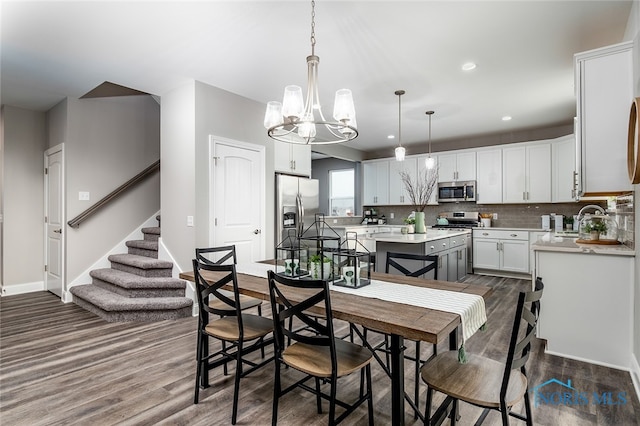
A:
{"points": [[399, 320]]}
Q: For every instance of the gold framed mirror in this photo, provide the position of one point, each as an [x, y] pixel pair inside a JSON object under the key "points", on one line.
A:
{"points": [[633, 144]]}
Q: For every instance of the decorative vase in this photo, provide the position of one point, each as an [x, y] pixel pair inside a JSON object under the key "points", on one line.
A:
{"points": [[411, 229], [420, 226]]}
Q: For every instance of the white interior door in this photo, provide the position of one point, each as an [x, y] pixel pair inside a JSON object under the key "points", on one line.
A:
{"points": [[54, 222], [239, 198]]}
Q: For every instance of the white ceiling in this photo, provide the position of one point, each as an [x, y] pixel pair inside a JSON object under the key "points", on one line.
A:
{"points": [[523, 49]]}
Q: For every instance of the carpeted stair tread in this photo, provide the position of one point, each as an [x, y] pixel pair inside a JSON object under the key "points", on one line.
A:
{"points": [[109, 301], [141, 262], [151, 230], [143, 244], [127, 280]]}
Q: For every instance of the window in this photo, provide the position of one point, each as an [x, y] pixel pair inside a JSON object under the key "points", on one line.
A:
{"points": [[341, 192]]}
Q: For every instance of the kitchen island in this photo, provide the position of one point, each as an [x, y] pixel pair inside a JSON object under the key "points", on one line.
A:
{"points": [[587, 306], [449, 245]]}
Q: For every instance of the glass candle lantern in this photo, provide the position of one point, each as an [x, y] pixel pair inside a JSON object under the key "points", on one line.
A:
{"points": [[321, 241], [291, 257], [352, 263]]}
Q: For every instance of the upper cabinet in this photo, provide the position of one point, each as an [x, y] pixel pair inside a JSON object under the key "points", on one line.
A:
{"points": [[457, 166], [563, 170], [292, 158], [604, 92], [489, 180], [397, 190], [375, 182], [422, 168], [526, 173]]}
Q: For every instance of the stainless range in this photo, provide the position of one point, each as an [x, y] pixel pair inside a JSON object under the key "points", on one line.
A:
{"points": [[461, 221]]}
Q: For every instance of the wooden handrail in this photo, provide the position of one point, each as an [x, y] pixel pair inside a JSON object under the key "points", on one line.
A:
{"points": [[76, 221]]}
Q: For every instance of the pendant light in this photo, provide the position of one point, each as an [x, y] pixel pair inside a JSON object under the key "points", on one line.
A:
{"points": [[400, 151], [430, 162], [295, 121]]}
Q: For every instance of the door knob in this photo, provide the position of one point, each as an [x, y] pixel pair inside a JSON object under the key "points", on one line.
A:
{"points": [[58, 231], [257, 231]]}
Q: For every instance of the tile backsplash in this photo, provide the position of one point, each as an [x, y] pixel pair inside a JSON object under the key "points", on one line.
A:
{"points": [[624, 216], [509, 215]]}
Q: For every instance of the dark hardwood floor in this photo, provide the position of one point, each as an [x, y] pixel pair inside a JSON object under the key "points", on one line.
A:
{"points": [[62, 365]]}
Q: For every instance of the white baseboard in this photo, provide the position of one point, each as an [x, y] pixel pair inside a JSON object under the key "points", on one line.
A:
{"points": [[635, 374], [589, 361], [121, 247], [12, 290], [190, 290]]}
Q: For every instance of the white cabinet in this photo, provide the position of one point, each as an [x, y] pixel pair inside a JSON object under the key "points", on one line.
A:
{"points": [[526, 173], [604, 92], [397, 191], [501, 250], [563, 169], [375, 182], [422, 167], [292, 158], [489, 176], [457, 166]]}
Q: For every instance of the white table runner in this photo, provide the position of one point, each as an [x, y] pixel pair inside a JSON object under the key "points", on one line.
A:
{"points": [[470, 307]]}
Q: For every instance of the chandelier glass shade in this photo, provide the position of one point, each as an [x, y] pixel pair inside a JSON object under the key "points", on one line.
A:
{"points": [[430, 162], [295, 120], [400, 151]]}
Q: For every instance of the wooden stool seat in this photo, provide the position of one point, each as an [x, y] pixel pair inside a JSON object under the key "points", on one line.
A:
{"points": [[226, 328], [477, 382], [316, 360]]}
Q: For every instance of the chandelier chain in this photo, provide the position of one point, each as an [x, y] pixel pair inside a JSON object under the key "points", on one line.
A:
{"points": [[313, 26]]}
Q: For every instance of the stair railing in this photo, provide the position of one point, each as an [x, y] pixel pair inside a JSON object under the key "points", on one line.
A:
{"points": [[76, 221]]}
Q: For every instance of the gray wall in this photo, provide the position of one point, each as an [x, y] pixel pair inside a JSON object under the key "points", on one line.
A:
{"points": [[320, 170], [632, 32], [190, 113], [24, 138], [107, 142]]}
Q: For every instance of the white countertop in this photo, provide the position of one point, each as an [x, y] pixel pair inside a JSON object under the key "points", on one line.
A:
{"points": [[549, 242], [430, 235]]}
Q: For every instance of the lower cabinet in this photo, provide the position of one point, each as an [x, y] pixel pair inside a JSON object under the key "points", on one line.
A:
{"points": [[457, 258], [501, 250]]}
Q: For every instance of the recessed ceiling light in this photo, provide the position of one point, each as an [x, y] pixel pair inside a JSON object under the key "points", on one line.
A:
{"points": [[468, 66], [391, 137], [506, 118]]}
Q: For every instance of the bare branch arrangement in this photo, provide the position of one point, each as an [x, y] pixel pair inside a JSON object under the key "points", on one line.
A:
{"points": [[420, 187]]}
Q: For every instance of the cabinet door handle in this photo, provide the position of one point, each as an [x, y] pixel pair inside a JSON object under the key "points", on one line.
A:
{"points": [[514, 235], [459, 254], [498, 246]]}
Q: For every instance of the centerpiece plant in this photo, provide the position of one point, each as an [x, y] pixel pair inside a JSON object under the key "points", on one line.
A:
{"points": [[419, 188]]}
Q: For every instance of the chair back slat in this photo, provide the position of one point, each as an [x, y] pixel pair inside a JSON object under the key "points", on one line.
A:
{"points": [[417, 259], [206, 288], [518, 353], [223, 255], [286, 303]]}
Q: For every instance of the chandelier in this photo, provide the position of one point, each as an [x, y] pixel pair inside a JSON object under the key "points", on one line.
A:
{"points": [[400, 151], [295, 121], [430, 162]]}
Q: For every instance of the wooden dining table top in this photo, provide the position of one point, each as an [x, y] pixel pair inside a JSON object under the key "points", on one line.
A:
{"points": [[406, 320]]}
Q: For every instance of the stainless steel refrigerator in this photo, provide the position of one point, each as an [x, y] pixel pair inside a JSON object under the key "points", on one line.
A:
{"points": [[296, 204]]}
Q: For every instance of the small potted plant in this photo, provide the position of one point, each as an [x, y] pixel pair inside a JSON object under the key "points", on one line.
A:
{"points": [[317, 271], [411, 225], [595, 228], [568, 222]]}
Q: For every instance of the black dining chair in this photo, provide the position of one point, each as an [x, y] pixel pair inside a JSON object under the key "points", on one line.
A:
{"points": [[485, 382], [420, 265], [317, 353], [242, 333], [225, 255], [411, 265]]}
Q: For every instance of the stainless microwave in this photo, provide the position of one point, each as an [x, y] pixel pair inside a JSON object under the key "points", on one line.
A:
{"points": [[456, 191]]}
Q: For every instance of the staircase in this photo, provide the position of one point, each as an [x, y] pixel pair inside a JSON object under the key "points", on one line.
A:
{"points": [[137, 287]]}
